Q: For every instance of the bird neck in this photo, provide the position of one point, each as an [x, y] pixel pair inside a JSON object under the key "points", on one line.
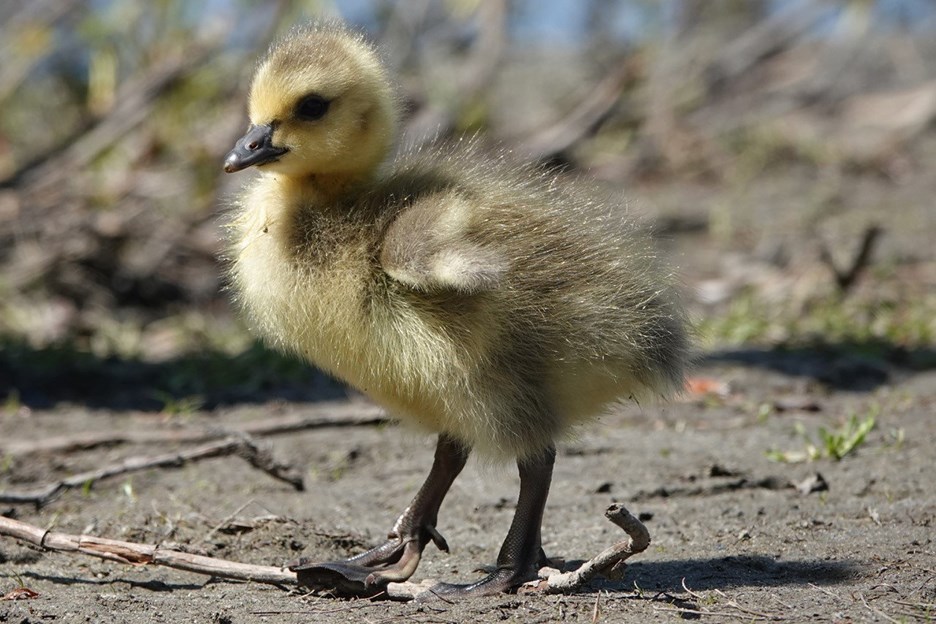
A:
{"points": [[322, 189]]}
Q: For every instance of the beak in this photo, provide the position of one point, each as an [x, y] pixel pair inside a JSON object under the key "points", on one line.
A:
{"points": [[254, 148]]}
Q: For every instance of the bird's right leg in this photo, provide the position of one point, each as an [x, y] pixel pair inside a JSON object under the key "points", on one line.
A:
{"points": [[396, 559]]}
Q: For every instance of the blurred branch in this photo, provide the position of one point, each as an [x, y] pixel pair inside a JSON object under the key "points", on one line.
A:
{"points": [[135, 101], [488, 50], [17, 64], [847, 49], [584, 119], [845, 278], [763, 40], [476, 74], [401, 29]]}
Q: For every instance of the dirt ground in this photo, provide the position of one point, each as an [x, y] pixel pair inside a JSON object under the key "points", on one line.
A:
{"points": [[732, 539]]}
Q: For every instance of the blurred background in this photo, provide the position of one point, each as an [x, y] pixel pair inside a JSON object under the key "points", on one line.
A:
{"points": [[781, 151]]}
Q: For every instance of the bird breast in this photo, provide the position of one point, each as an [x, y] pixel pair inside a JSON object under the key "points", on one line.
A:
{"points": [[310, 286]]}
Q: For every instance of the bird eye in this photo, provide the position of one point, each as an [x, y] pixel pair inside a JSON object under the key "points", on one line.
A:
{"points": [[312, 107]]}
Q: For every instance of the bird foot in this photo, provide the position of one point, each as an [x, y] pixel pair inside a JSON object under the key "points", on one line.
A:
{"points": [[367, 574], [514, 570], [499, 581], [338, 577]]}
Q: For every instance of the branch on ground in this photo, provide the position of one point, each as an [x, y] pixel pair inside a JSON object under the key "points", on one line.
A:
{"points": [[240, 444], [324, 415], [845, 278], [143, 554], [608, 563]]}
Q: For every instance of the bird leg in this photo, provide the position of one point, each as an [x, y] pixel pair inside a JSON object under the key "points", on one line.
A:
{"points": [[396, 559], [521, 555]]}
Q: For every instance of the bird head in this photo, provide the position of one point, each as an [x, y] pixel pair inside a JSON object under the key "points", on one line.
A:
{"points": [[320, 105]]}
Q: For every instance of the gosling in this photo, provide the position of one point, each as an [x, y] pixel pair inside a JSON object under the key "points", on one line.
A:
{"points": [[481, 300]]}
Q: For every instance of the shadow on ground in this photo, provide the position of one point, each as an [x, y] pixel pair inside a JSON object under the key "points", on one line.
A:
{"points": [[43, 378], [153, 585], [855, 366], [737, 571]]}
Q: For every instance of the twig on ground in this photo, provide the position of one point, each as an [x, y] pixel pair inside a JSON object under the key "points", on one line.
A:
{"points": [[876, 611], [325, 415], [846, 278], [227, 520], [916, 605], [261, 457], [142, 554], [609, 562], [239, 444], [823, 590], [734, 603], [743, 612]]}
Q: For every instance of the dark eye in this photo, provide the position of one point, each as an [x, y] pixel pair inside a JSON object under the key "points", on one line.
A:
{"points": [[312, 107]]}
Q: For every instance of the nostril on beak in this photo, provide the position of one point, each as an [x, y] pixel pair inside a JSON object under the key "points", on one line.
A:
{"points": [[254, 148]]}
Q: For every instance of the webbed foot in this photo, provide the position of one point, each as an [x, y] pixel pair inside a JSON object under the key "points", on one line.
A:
{"points": [[499, 581], [367, 574], [396, 559]]}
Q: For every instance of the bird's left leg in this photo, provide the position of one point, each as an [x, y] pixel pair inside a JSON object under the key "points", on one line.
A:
{"points": [[521, 555], [396, 559]]}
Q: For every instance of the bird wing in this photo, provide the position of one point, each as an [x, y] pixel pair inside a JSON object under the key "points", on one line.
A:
{"points": [[430, 246]]}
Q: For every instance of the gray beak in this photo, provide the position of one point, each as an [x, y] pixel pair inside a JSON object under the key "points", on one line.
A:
{"points": [[254, 148]]}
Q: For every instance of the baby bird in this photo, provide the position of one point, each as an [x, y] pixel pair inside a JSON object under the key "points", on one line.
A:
{"points": [[478, 299]]}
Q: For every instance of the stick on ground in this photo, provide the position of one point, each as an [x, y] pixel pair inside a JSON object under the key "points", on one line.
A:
{"points": [[322, 415], [609, 562], [239, 444], [142, 554], [846, 277]]}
